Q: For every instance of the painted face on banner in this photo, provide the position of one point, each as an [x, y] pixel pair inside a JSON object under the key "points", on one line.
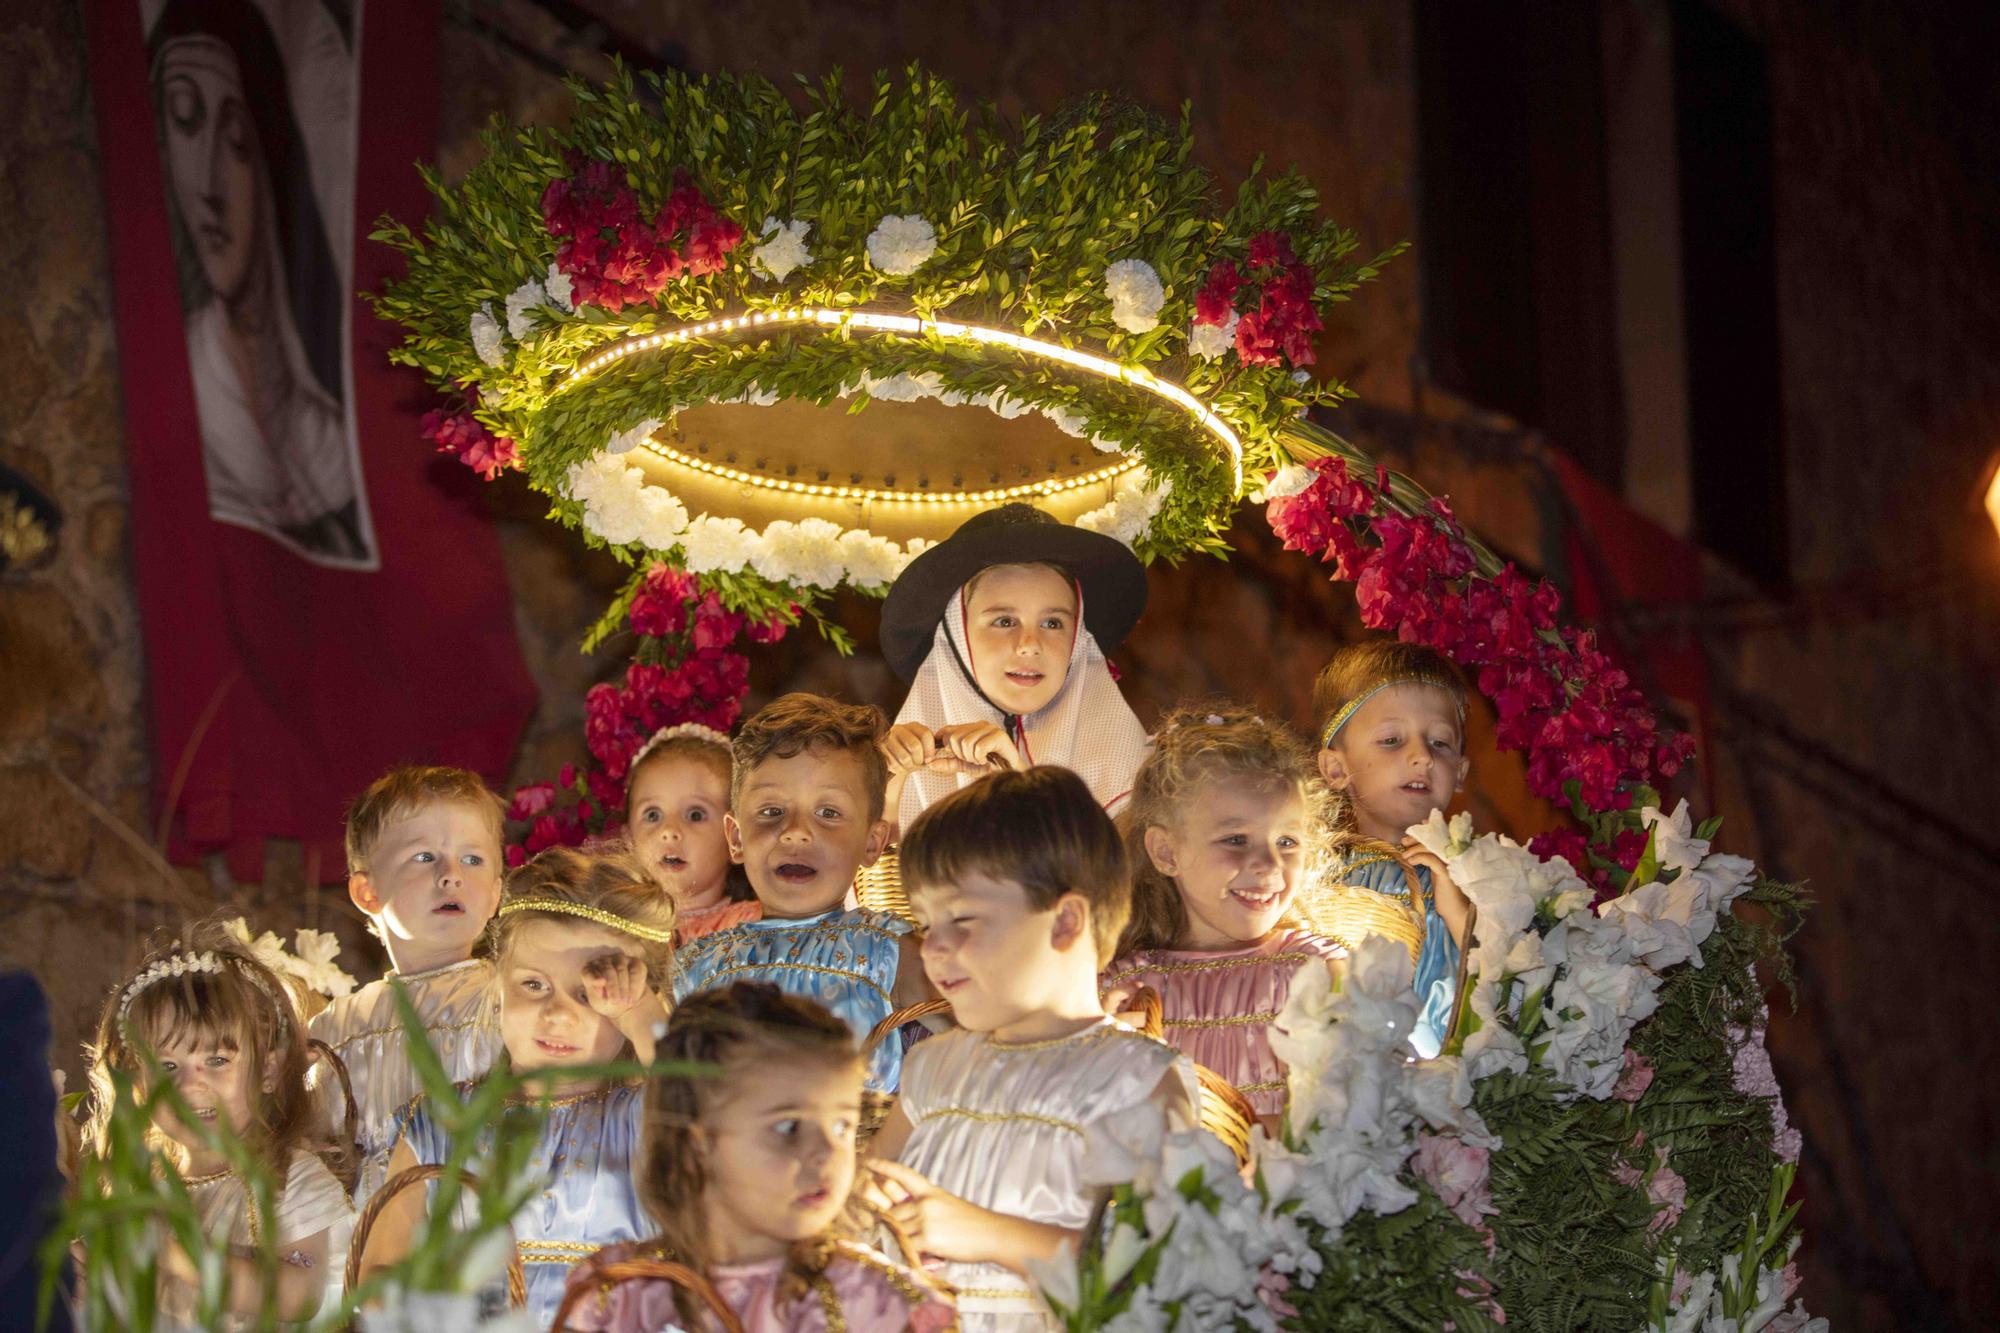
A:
{"points": [[212, 152]]}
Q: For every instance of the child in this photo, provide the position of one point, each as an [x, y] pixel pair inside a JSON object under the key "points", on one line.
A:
{"points": [[1022, 885], [222, 1029], [579, 948], [1001, 630], [676, 793], [748, 1175], [1392, 744], [424, 860], [1222, 820], [805, 815]]}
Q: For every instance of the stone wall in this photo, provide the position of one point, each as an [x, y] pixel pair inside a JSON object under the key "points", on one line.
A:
{"points": [[1855, 714]]}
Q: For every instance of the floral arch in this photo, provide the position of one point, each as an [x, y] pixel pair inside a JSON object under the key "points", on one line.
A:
{"points": [[669, 314]]}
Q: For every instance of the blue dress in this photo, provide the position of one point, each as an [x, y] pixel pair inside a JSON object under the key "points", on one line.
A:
{"points": [[1376, 867], [846, 961], [590, 1156]]}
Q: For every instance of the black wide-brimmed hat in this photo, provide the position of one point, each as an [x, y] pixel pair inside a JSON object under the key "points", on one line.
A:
{"points": [[1114, 582]]}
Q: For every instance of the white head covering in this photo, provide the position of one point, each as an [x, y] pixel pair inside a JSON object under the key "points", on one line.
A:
{"points": [[1087, 728]]}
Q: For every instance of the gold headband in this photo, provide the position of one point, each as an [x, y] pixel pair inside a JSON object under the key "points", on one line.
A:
{"points": [[1346, 712], [603, 918]]}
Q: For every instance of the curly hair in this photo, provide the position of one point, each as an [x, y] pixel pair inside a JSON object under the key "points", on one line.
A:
{"points": [[745, 1025], [242, 1007], [1199, 745], [795, 723], [610, 882]]}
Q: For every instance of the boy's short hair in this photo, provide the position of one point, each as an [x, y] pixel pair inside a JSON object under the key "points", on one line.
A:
{"points": [[1041, 829], [794, 723], [402, 790], [1368, 664]]}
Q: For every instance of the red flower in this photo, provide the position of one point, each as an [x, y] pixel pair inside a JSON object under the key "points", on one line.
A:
{"points": [[460, 434], [1268, 248], [1216, 301], [531, 800], [615, 257]]}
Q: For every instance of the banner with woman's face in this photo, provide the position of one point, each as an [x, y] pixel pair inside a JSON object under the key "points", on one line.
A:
{"points": [[254, 102]]}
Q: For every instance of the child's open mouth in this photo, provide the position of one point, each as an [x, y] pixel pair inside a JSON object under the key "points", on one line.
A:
{"points": [[449, 907], [205, 1114], [813, 1198], [1254, 900], [674, 862], [1420, 787], [947, 987], [1025, 679], [555, 1050], [793, 872]]}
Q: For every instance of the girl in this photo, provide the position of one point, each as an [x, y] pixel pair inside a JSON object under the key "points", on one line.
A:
{"points": [[748, 1176], [1220, 832], [1392, 745], [1001, 630], [220, 1027], [676, 793], [579, 947]]}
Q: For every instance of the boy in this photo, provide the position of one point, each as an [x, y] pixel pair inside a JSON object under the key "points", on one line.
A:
{"points": [[805, 815], [1392, 743], [424, 862], [1022, 886]]}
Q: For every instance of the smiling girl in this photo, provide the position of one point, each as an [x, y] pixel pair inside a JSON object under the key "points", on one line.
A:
{"points": [[580, 946], [219, 1028], [1221, 832]]}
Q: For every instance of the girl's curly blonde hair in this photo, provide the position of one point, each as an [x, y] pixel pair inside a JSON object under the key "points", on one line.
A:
{"points": [[1197, 746]]}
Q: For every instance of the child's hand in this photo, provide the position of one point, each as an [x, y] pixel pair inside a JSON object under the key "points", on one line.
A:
{"points": [[976, 747], [908, 747], [615, 983], [938, 1224], [1452, 904]]}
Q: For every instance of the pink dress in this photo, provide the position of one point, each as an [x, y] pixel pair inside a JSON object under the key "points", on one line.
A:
{"points": [[692, 925], [1218, 1006], [859, 1290]]}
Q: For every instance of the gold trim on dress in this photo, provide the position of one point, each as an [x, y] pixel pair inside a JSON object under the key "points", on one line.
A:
{"points": [[396, 1030], [1004, 1117], [565, 1252], [1212, 965], [714, 978], [1228, 1021]]}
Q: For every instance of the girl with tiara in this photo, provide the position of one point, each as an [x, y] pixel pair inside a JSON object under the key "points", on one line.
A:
{"points": [[1224, 818], [1392, 745], [220, 1027], [748, 1174], [676, 793], [1001, 630], [580, 946]]}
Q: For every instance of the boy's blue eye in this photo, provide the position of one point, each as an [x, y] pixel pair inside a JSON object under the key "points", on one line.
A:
{"points": [[650, 815], [786, 1128], [473, 859], [697, 815], [424, 856]]}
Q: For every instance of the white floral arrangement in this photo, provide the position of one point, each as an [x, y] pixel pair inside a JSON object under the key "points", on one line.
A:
{"points": [[1136, 295], [901, 243], [781, 248], [314, 962], [1554, 984]]}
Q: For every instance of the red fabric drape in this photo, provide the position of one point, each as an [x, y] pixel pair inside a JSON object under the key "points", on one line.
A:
{"points": [[278, 688]]}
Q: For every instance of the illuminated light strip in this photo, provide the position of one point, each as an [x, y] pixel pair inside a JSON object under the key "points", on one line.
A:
{"points": [[865, 493], [1136, 376]]}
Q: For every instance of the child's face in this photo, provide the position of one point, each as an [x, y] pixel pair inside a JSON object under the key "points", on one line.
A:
{"points": [[996, 957], [801, 830], [1236, 853], [433, 878], [212, 1075], [674, 815], [545, 1016], [1020, 622], [1401, 756], [778, 1148]]}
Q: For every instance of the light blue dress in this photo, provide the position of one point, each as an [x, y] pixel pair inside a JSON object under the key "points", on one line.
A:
{"points": [[590, 1156], [1376, 866], [846, 961]]}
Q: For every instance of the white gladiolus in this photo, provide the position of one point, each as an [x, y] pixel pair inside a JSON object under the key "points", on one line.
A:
{"points": [[901, 243]]}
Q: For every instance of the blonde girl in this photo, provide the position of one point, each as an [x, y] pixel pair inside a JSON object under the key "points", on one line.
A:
{"points": [[676, 793]]}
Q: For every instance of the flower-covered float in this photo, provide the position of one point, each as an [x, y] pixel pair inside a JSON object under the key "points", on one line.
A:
{"points": [[670, 316]]}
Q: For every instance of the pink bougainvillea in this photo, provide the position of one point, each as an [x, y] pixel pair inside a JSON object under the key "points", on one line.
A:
{"points": [[614, 255]]}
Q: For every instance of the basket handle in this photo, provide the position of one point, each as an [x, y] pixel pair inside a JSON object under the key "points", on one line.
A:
{"points": [[1152, 1013], [423, 1173], [909, 1013], [322, 1051], [659, 1270]]}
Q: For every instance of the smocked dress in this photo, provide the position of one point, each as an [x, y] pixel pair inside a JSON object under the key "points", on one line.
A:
{"points": [[1217, 1007], [589, 1156], [460, 1010], [845, 960], [1005, 1126], [1376, 868], [860, 1290]]}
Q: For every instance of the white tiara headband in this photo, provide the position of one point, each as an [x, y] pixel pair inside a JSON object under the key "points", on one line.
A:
{"points": [[178, 965], [691, 730]]}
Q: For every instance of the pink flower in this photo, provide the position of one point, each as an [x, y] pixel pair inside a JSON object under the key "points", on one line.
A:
{"points": [[1634, 1078], [1271, 1288], [1215, 302], [459, 434], [531, 800], [1667, 1192], [1458, 1172], [1754, 1077], [772, 628]]}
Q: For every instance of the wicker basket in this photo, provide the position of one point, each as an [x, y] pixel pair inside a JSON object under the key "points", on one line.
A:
{"points": [[517, 1277], [1349, 913], [879, 887], [656, 1268], [1225, 1112]]}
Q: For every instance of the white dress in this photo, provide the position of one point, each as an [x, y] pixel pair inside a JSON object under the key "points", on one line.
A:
{"points": [[311, 1201], [461, 1013], [1004, 1125]]}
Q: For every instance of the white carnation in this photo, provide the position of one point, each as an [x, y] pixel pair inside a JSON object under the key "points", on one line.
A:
{"points": [[806, 553], [1210, 341], [871, 561], [625, 441], [781, 248], [1132, 508], [1069, 423], [901, 243], [716, 545], [1291, 479], [912, 548], [519, 302], [753, 395], [662, 518], [902, 387], [1136, 295], [559, 286], [486, 338]]}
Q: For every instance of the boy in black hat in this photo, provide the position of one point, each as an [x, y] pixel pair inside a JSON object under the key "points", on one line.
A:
{"points": [[1001, 630]]}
